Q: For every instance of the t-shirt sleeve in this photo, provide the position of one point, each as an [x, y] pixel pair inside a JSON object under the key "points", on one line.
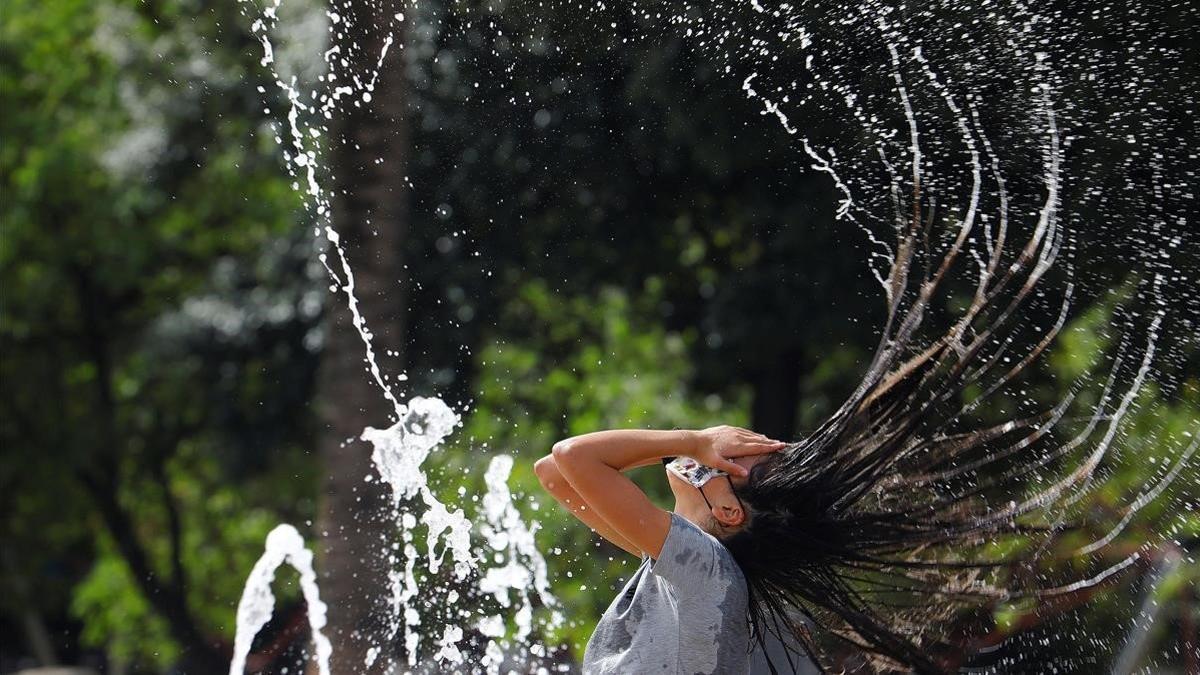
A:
{"points": [[688, 556]]}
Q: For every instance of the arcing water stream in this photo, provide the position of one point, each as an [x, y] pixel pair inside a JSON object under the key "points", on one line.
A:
{"points": [[983, 119]]}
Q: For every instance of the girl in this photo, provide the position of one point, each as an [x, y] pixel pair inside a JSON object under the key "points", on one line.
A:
{"points": [[685, 608]]}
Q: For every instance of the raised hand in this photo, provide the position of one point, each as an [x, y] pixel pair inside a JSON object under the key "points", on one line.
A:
{"points": [[716, 446]]}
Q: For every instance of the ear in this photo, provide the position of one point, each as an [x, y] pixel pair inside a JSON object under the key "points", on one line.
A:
{"points": [[729, 516]]}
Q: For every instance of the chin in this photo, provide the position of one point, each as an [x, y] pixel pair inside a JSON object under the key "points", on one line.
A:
{"points": [[677, 484]]}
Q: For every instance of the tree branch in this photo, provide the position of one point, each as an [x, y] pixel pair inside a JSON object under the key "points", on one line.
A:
{"points": [[102, 483], [174, 522]]}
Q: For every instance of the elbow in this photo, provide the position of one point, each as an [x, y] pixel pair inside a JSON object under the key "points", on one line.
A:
{"points": [[561, 450], [545, 469], [549, 469]]}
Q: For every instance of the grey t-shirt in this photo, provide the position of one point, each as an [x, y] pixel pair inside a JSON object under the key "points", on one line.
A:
{"points": [[683, 613]]}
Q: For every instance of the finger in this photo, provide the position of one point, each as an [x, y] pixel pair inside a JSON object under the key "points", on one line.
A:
{"points": [[734, 469], [756, 448], [772, 446]]}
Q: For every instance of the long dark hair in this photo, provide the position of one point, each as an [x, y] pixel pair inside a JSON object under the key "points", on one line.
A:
{"points": [[872, 529]]}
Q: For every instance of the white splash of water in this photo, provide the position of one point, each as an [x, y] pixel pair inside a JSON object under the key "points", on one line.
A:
{"points": [[399, 451], [506, 533], [769, 107], [880, 249], [284, 545]]}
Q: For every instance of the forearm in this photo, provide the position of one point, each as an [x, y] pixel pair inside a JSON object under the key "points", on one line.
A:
{"points": [[560, 489], [553, 481], [591, 465], [622, 449]]}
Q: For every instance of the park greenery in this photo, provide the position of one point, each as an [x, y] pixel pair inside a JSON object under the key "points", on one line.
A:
{"points": [[625, 244]]}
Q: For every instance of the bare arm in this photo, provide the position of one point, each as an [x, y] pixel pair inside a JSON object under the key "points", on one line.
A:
{"points": [[592, 464], [553, 481], [616, 507]]}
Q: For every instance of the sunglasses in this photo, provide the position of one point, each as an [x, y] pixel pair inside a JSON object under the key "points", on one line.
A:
{"points": [[698, 475]]}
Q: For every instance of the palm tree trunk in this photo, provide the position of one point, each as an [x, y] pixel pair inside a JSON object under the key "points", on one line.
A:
{"points": [[370, 214]]}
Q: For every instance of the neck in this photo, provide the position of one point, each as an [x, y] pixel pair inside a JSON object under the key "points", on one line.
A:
{"points": [[701, 517]]}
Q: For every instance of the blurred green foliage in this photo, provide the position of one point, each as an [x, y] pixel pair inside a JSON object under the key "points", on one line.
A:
{"points": [[139, 222], [161, 311]]}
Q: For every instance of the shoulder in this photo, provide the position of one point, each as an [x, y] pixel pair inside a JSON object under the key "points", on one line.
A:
{"points": [[692, 558]]}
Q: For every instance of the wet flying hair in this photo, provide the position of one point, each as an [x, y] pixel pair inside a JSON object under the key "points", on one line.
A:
{"points": [[872, 531]]}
